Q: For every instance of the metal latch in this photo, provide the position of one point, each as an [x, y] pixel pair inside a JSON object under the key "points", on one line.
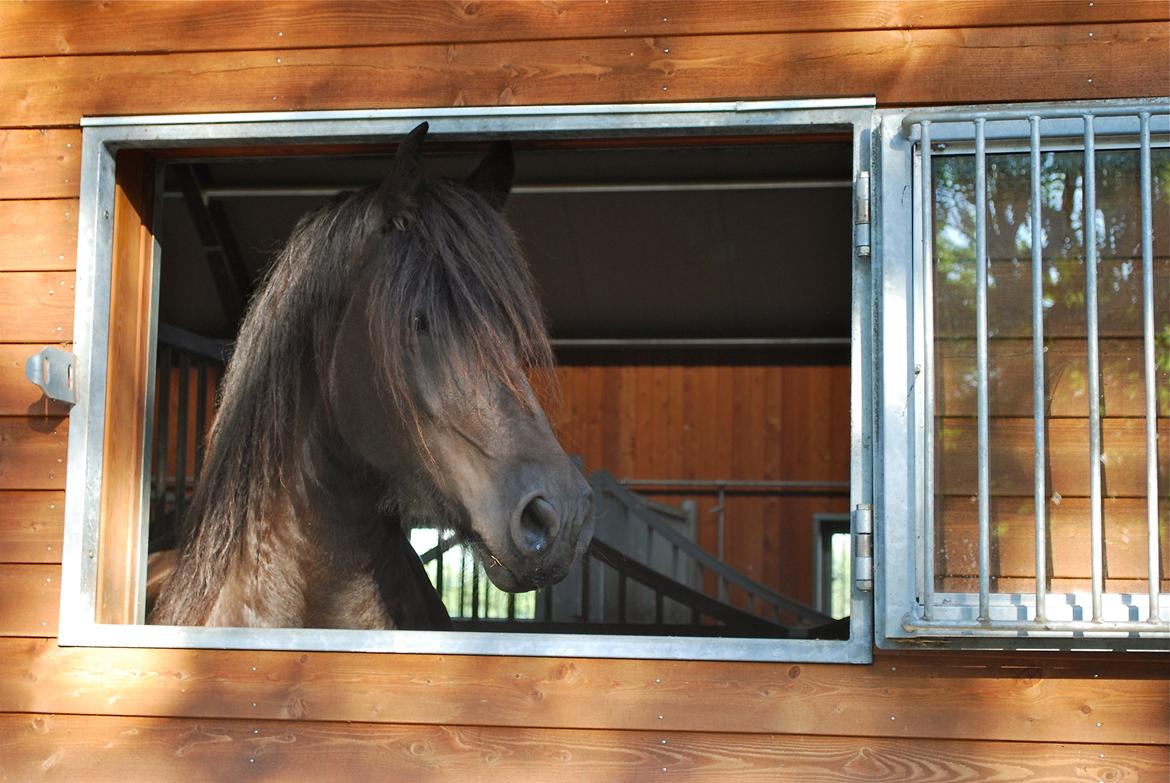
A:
{"points": [[861, 223], [863, 546], [53, 370]]}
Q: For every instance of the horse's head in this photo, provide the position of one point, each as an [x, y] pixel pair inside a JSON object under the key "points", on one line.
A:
{"points": [[429, 376]]}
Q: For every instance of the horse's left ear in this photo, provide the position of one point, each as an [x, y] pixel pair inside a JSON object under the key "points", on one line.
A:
{"points": [[492, 179], [396, 190]]}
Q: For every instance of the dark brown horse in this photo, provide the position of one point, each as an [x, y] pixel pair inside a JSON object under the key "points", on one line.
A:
{"points": [[380, 382]]}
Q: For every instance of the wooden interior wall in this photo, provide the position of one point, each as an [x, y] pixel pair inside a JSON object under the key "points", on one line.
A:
{"points": [[117, 714], [711, 418]]}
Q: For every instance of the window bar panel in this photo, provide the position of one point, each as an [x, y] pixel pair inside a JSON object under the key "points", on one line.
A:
{"points": [[1148, 350], [1038, 419], [1093, 368], [981, 369], [928, 371]]}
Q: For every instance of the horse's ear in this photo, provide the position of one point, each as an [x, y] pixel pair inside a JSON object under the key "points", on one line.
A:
{"points": [[395, 191], [492, 179]]}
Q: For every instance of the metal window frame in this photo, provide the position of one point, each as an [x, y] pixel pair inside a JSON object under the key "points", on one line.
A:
{"points": [[907, 612], [104, 137]]}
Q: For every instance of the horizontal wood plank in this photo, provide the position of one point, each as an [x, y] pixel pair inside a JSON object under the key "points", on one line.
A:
{"points": [[32, 526], [39, 164], [36, 307], [130, 748], [899, 67], [29, 596], [1011, 451], [38, 29], [18, 395], [1115, 703], [1123, 379], [38, 235], [33, 451]]}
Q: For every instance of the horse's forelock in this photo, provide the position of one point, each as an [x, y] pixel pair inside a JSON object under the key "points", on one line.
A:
{"points": [[457, 271]]}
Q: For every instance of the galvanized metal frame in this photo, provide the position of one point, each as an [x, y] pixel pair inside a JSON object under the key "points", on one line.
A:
{"points": [[908, 608], [104, 137]]}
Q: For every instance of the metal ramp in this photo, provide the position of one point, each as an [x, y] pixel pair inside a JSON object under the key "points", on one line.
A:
{"points": [[644, 573]]}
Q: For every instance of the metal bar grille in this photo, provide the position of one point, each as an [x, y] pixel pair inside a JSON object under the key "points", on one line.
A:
{"points": [[950, 608]]}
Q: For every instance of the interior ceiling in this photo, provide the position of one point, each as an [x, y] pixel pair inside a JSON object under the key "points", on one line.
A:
{"points": [[744, 262]]}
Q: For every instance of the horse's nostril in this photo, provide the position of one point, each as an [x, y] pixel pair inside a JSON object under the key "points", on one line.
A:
{"points": [[538, 525]]}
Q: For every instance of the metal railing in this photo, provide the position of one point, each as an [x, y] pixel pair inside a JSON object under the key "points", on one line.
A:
{"points": [[1128, 127]]}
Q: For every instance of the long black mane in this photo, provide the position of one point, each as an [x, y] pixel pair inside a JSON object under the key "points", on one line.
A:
{"points": [[440, 257]]}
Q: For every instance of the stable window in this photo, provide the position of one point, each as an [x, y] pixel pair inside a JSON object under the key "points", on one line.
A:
{"points": [[614, 206], [1025, 371]]}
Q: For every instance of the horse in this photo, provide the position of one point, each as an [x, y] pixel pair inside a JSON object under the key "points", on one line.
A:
{"points": [[380, 382]]}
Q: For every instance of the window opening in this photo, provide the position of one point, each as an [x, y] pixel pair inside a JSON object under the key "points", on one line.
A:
{"points": [[675, 331]]}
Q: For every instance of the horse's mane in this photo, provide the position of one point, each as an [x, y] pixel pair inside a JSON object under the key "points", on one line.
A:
{"points": [[444, 257]]}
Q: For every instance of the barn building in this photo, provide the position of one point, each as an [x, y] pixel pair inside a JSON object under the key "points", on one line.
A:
{"points": [[867, 509]]}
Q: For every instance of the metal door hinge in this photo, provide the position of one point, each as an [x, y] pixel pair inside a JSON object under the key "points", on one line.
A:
{"points": [[863, 546], [862, 221], [53, 370]]}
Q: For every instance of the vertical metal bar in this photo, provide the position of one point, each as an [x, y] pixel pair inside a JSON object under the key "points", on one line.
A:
{"points": [[703, 589], [441, 563], [163, 397], [181, 436], [720, 522], [1151, 401], [622, 597], [474, 591], [548, 604], [586, 580], [462, 581], [928, 374], [1097, 537], [658, 611], [201, 417], [1040, 495], [981, 369], [511, 606], [722, 545]]}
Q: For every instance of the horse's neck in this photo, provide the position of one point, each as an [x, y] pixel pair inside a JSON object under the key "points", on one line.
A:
{"points": [[324, 556]]}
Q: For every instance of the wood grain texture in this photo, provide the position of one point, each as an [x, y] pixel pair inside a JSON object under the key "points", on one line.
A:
{"points": [[33, 452], [38, 235], [692, 420], [899, 67], [32, 526], [118, 749], [40, 163], [39, 29], [36, 307], [1123, 391], [18, 395], [119, 595], [1013, 538], [1123, 443], [935, 697], [29, 596]]}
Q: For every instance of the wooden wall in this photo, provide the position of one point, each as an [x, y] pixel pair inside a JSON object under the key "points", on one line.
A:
{"points": [[208, 715], [709, 418]]}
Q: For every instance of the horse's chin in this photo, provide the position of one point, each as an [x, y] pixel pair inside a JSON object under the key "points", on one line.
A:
{"points": [[510, 581]]}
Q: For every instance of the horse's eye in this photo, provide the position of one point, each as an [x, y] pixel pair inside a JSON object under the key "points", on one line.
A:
{"points": [[421, 324]]}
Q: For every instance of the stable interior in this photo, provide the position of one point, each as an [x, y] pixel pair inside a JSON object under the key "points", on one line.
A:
{"points": [[698, 293]]}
